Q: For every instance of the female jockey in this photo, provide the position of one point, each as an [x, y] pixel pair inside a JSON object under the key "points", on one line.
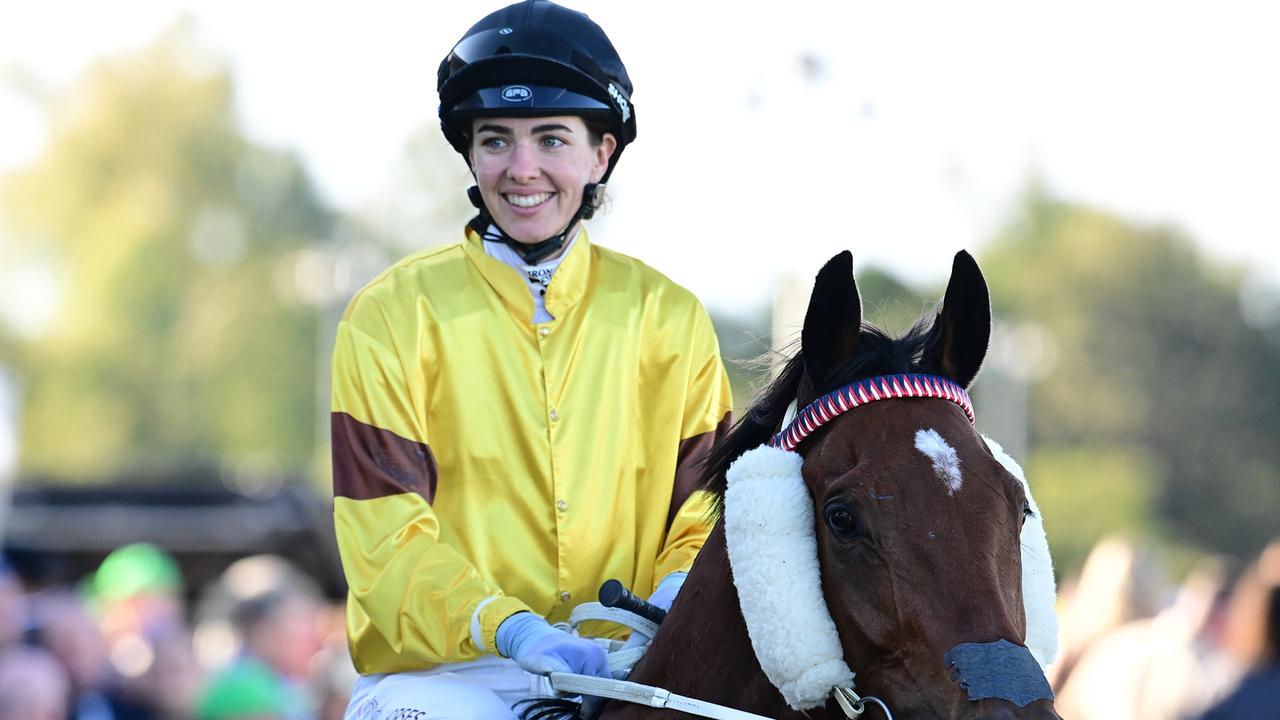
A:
{"points": [[517, 416]]}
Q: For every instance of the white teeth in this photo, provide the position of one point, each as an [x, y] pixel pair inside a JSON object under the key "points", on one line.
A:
{"points": [[527, 200]]}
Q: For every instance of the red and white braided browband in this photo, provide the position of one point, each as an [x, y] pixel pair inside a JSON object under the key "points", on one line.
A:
{"points": [[862, 392]]}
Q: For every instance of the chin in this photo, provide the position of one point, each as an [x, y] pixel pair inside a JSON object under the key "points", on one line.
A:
{"points": [[530, 235], [525, 238]]}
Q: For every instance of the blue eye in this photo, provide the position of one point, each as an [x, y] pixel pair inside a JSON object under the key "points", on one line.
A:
{"points": [[552, 142]]}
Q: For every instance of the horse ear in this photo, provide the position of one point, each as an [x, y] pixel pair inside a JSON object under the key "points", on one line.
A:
{"points": [[957, 342], [833, 320]]}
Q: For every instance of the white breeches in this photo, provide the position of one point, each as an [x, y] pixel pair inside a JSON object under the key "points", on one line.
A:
{"points": [[481, 689]]}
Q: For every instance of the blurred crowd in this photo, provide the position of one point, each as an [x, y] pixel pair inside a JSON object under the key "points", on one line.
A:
{"points": [[261, 642], [1134, 645]]}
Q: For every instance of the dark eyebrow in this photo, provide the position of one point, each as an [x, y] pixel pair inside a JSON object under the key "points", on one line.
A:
{"points": [[552, 127], [499, 129]]}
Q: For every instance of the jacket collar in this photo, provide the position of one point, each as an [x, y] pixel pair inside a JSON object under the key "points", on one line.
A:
{"points": [[567, 288]]}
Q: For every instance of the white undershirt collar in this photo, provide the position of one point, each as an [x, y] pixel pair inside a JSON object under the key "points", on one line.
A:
{"points": [[536, 277]]}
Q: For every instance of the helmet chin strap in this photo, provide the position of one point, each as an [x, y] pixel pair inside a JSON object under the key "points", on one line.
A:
{"points": [[534, 253]]}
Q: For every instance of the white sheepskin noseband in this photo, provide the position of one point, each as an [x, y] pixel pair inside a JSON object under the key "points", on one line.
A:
{"points": [[773, 553]]}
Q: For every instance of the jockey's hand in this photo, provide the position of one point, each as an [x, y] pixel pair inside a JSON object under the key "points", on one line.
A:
{"points": [[667, 589], [539, 648], [662, 597]]}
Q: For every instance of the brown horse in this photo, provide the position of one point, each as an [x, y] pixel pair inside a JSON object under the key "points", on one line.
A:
{"points": [[917, 529]]}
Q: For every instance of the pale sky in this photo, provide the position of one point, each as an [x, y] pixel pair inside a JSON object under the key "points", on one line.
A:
{"points": [[923, 124]]}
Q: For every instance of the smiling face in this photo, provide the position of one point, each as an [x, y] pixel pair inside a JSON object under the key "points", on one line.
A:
{"points": [[531, 171]]}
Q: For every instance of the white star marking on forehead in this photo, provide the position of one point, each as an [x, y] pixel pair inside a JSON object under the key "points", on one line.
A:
{"points": [[945, 461]]}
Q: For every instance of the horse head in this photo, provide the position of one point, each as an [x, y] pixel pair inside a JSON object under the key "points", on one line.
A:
{"points": [[917, 519], [874, 531]]}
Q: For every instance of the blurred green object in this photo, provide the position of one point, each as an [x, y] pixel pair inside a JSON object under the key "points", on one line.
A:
{"points": [[188, 335], [246, 689], [135, 569], [1152, 400]]}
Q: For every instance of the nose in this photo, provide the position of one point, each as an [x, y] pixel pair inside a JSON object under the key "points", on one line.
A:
{"points": [[1001, 680], [524, 163]]}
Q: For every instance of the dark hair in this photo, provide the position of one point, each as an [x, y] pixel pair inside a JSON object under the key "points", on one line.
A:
{"points": [[250, 612], [878, 354], [596, 130]]}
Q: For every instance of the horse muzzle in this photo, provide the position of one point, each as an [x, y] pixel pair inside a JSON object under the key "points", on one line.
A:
{"points": [[1003, 678]]}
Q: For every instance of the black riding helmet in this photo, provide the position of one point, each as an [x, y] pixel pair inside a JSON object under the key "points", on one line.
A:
{"points": [[535, 59]]}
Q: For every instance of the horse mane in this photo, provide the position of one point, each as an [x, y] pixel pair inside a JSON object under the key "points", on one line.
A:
{"points": [[877, 353], [551, 709]]}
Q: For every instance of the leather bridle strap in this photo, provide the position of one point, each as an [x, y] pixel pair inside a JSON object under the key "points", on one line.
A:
{"points": [[656, 697]]}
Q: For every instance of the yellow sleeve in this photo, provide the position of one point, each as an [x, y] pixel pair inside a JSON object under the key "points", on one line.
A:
{"points": [[688, 533], [411, 598], [707, 418]]}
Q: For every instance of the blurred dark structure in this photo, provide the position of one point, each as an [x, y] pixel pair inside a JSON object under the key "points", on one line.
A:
{"points": [[58, 533]]}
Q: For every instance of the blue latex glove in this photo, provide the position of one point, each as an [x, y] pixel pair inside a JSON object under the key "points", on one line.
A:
{"points": [[663, 597], [541, 649], [666, 592]]}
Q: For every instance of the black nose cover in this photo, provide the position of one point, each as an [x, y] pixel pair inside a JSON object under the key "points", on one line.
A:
{"points": [[999, 670]]}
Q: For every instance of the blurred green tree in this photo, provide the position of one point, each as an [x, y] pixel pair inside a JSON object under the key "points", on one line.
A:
{"points": [[891, 304], [182, 333], [1159, 403], [751, 354]]}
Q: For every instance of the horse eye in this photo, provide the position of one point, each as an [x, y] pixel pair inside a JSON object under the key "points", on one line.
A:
{"points": [[1026, 512], [841, 521]]}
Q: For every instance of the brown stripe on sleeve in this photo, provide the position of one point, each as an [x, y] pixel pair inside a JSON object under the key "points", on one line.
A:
{"points": [[693, 451], [369, 462]]}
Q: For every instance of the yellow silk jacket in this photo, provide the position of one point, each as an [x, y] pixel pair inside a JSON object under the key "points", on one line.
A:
{"points": [[481, 461]]}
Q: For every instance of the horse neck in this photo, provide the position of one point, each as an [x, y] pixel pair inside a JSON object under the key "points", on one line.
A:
{"points": [[703, 650]]}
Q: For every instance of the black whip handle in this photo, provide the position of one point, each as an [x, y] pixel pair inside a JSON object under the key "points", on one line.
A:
{"points": [[615, 595]]}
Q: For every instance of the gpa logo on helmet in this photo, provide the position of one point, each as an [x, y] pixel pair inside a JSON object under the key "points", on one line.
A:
{"points": [[516, 93]]}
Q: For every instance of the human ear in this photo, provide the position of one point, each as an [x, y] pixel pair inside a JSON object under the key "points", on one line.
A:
{"points": [[604, 151]]}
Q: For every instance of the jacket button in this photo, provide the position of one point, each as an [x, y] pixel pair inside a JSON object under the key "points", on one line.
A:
{"points": [[544, 331], [564, 596], [562, 505], [553, 415]]}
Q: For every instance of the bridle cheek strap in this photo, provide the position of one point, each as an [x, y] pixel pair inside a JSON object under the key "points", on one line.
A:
{"points": [[773, 553]]}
